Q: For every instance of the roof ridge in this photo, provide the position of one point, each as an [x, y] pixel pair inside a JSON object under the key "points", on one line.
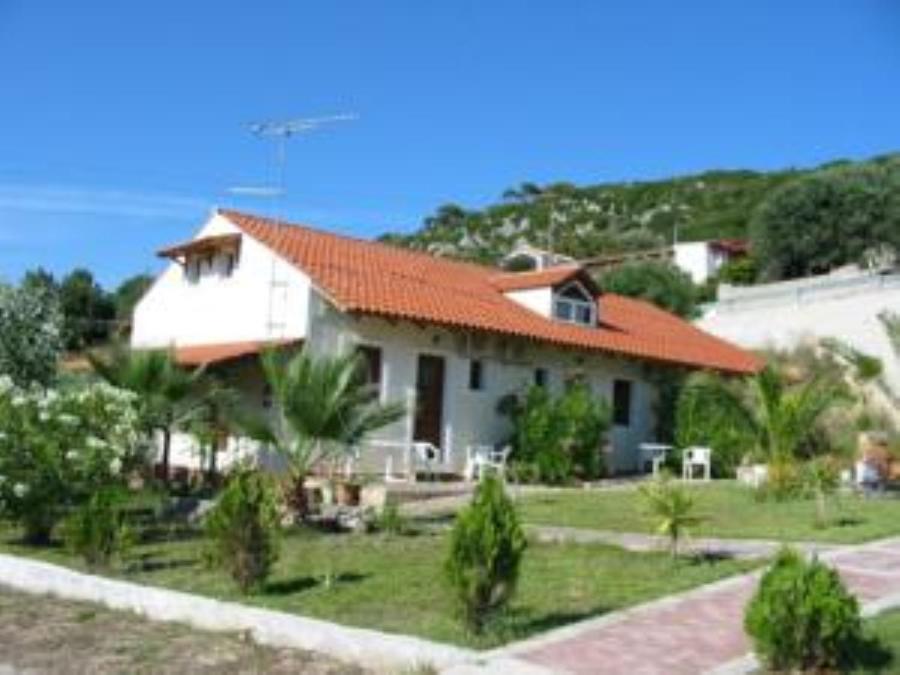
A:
{"points": [[321, 231]]}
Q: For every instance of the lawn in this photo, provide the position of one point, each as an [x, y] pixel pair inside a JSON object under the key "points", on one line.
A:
{"points": [[395, 583], [880, 652], [729, 510]]}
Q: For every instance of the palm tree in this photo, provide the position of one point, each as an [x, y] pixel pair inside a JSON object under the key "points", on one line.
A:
{"points": [[168, 396], [215, 420], [323, 408], [673, 508], [777, 416]]}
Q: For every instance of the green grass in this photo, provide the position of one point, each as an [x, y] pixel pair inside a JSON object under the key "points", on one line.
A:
{"points": [[880, 651], [729, 510], [396, 584]]}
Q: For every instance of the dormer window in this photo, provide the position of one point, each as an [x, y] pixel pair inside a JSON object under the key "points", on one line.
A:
{"points": [[573, 304]]}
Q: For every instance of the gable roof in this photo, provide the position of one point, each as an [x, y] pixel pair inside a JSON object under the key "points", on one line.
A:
{"points": [[373, 278]]}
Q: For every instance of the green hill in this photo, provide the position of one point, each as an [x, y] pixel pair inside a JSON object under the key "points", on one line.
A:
{"points": [[590, 220]]}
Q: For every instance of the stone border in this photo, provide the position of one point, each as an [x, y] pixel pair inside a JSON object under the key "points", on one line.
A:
{"points": [[373, 649]]}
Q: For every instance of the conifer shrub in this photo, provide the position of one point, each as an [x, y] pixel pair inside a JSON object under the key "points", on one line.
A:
{"points": [[96, 530], [486, 547], [802, 617], [244, 529]]}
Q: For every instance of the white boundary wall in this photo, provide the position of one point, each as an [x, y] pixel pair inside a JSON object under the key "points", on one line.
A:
{"points": [[372, 649]]}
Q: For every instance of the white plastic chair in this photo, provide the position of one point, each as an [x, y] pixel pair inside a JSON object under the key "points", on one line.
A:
{"points": [[694, 457], [481, 457]]}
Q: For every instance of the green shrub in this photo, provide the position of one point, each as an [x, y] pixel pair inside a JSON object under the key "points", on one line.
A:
{"points": [[556, 439], [391, 521], [97, 530], [486, 547], [802, 617], [244, 528]]}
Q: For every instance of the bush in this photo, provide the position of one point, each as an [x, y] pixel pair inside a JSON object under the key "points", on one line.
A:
{"points": [[96, 530], [244, 529], [486, 547], [660, 283], [802, 617], [30, 335], [673, 509], [58, 447], [556, 439]]}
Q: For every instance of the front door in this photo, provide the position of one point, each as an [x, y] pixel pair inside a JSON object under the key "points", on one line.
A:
{"points": [[429, 399]]}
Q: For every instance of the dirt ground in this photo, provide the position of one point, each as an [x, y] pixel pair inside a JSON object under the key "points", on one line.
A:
{"points": [[47, 635]]}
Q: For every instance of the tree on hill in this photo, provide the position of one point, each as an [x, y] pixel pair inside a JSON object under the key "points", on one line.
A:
{"points": [[828, 219], [89, 313], [663, 284]]}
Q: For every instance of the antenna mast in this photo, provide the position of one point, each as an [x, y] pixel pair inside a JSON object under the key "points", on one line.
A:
{"points": [[281, 132]]}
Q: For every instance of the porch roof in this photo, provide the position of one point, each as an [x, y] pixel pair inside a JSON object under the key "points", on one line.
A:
{"points": [[201, 355]]}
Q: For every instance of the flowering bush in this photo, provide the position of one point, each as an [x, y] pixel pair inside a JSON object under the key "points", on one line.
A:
{"points": [[58, 446]]}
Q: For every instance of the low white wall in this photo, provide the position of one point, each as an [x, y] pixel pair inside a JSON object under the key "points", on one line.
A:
{"points": [[370, 648], [783, 315]]}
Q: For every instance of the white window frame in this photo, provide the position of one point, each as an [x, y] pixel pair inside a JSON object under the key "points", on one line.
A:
{"points": [[573, 305]]}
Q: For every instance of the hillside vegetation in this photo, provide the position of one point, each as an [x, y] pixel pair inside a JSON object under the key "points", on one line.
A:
{"points": [[590, 220]]}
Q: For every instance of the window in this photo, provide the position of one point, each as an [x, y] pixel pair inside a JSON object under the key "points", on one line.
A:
{"points": [[476, 375], [540, 377], [370, 364], [574, 305], [622, 403], [227, 264], [192, 269]]}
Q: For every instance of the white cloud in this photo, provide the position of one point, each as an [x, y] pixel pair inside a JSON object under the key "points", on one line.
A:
{"points": [[79, 200]]}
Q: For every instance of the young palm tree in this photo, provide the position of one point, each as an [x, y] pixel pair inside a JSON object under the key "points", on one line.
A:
{"points": [[323, 408], [215, 420], [673, 509], [168, 396]]}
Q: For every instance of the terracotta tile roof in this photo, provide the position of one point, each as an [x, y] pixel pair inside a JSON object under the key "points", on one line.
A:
{"points": [[377, 279], [552, 276], [200, 355]]}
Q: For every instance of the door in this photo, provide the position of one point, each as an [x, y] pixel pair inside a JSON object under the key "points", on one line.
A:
{"points": [[429, 399]]}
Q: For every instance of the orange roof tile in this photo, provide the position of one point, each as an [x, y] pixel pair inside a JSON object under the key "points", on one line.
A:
{"points": [[377, 279], [552, 276], [201, 355]]}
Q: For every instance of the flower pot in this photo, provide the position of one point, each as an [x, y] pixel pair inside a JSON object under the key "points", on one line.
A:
{"points": [[347, 494]]}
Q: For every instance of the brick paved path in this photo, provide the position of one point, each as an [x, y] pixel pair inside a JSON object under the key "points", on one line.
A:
{"points": [[698, 631]]}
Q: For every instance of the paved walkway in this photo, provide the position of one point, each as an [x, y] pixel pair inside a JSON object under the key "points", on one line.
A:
{"points": [[632, 541], [698, 631]]}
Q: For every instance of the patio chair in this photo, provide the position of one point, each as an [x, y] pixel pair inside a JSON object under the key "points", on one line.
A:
{"points": [[693, 458], [481, 457]]}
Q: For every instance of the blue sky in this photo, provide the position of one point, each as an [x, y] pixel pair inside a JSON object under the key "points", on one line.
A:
{"points": [[123, 123]]}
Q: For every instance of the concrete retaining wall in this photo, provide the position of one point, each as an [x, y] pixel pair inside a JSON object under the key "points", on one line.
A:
{"points": [[372, 649]]}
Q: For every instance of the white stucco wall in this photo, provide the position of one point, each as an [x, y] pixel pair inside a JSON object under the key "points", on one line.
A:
{"points": [[539, 300], [218, 309], [471, 417], [782, 315]]}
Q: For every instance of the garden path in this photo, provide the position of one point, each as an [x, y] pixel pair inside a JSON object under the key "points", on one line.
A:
{"points": [[695, 632], [703, 546]]}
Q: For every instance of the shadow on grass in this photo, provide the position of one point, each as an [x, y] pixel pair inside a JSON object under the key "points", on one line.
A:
{"points": [[306, 583], [151, 562], [869, 654]]}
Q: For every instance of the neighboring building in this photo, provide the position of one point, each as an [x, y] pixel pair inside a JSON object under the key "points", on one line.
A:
{"points": [[701, 260], [448, 339]]}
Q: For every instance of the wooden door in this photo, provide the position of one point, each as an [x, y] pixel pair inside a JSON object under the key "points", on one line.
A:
{"points": [[429, 399]]}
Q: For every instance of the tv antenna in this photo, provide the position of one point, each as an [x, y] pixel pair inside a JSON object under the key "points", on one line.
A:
{"points": [[281, 132]]}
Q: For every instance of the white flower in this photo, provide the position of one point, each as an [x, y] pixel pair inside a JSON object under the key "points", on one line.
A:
{"points": [[19, 400], [20, 490], [44, 416], [72, 455], [95, 443], [115, 466], [69, 420]]}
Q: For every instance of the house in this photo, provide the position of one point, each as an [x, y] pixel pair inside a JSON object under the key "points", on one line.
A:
{"points": [[448, 339], [701, 260]]}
